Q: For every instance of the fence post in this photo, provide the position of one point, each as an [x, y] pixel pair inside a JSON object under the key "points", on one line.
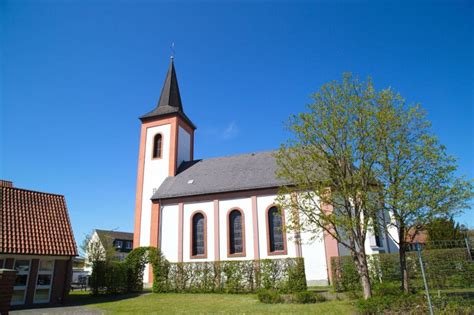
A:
{"points": [[468, 248], [418, 249]]}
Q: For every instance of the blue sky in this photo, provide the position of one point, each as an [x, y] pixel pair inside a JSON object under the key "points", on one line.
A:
{"points": [[76, 75]]}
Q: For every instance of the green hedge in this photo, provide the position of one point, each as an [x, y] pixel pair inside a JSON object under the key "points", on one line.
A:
{"points": [[445, 268], [109, 278], [238, 276]]}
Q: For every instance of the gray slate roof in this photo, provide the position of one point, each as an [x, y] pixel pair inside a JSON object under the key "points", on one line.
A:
{"points": [[114, 235], [224, 174]]}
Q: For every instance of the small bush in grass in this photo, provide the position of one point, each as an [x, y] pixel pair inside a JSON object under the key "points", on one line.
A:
{"points": [[387, 288], [307, 297], [269, 296], [389, 303]]}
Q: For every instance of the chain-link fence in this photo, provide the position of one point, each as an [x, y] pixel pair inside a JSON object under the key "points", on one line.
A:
{"points": [[444, 269]]}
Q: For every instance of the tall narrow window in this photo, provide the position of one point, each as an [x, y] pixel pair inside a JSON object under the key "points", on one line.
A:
{"points": [[44, 281], [236, 233], [276, 238], [198, 235], [157, 143], [22, 268]]}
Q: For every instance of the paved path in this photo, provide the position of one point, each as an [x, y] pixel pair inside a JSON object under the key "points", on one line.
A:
{"points": [[68, 310]]}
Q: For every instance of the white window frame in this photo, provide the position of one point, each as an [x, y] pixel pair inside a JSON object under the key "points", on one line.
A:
{"points": [[42, 287], [22, 287]]}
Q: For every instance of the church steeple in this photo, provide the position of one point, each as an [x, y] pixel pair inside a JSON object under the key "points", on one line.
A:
{"points": [[170, 98]]}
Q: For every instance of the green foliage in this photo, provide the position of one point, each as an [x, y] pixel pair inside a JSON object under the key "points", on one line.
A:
{"points": [[401, 303], [112, 277], [306, 297], [442, 229], [445, 268], [366, 152], [109, 278], [238, 276], [296, 277], [160, 268], [269, 296]]}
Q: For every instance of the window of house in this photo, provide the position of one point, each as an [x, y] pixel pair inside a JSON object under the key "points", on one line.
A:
{"points": [[157, 146], [236, 232], [129, 245], [378, 243], [22, 268], [118, 244], [275, 230], [198, 235], [44, 281]]}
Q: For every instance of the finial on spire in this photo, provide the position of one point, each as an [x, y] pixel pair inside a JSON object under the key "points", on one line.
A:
{"points": [[172, 50]]}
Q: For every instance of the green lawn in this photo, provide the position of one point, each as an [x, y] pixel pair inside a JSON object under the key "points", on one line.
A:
{"points": [[204, 304]]}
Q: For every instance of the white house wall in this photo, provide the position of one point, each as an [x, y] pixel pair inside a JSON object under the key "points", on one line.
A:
{"points": [[156, 171], [169, 232]]}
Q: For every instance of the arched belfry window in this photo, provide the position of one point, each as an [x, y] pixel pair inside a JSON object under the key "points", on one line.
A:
{"points": [[276, 234], [157, 146], [198, 235], [236, 233]]}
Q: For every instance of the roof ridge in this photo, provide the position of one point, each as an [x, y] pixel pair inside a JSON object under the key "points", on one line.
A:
{"points": [[114, 231], [231, 156], [35, 191]]}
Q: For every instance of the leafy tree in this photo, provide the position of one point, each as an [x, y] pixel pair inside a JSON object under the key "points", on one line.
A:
{"points": [[330, 164], [95, 249], [415, 175], [359, 154], [445, 229]]}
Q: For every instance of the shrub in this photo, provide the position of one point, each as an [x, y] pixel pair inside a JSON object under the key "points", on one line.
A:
{"points": [[297, 277], [445, 268], [242, 276], [269, 296], [307, 297], [402, 304]]}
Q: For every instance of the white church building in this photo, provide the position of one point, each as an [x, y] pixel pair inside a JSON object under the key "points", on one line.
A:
{"points": [[218, 208]]}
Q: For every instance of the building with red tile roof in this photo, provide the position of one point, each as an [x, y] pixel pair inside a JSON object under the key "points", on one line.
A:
{"points": [[36, 240]]}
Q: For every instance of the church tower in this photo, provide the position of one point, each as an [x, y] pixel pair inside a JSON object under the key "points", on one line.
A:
{"points": [[166, 140]]}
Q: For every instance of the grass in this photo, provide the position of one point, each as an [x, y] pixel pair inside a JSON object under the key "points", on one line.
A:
{"points": [[179, 303]]}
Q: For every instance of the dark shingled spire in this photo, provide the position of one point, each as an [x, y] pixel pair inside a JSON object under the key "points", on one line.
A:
{"points": [[170, 99]]}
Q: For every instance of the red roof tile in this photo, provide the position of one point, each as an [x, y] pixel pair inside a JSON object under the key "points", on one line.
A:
{"points": [[34, 223]]}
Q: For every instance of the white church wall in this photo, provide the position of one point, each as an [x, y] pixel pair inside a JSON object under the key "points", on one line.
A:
{"points": [[169, 232], [189, 209], [184, 146], [314, 254], [156, 171], [244, 204]]}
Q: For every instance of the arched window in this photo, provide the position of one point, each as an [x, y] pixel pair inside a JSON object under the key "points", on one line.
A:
{"points": [[276, 237], [157, 144], [198, 235], [236, 228]]}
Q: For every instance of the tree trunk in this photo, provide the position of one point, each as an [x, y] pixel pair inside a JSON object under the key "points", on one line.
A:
{"points": [[403, 261], [360, 259]]}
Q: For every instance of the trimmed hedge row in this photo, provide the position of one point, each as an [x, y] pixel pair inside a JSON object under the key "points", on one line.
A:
{"points": [[243, 276], [238, 276], [445, 268]]}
